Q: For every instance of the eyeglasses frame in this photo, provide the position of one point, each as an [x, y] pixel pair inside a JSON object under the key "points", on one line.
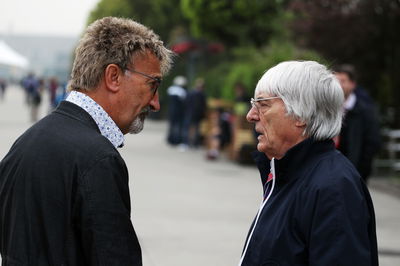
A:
{"points": [[254, 101], [156, 79]]}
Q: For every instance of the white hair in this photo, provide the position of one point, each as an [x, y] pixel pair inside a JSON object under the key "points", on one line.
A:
{"points": [[310, 92]]}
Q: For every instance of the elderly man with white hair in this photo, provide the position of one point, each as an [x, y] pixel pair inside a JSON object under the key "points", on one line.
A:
{"points": [[316, 210]]}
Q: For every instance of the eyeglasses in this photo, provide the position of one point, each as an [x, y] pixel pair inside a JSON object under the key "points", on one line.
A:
{"points": [[154, 85], [255, 102]]}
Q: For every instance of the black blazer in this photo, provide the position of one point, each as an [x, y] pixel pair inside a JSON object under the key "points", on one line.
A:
{"points": [[64, 196], [360, 138]]}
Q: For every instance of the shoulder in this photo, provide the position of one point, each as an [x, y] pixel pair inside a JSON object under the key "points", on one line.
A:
{"points": [[332, 190], [364, 106], [334, 177], [59, 136]]}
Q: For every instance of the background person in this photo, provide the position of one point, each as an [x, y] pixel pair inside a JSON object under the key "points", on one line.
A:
{"points": [[52, 87], [3, 87], [316, 210], [359, 138], [64, 197], [195, 111], [33, 89], [176, 110]]}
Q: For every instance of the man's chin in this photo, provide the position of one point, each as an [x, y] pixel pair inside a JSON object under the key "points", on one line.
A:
{"points": [[137, 125], [261, 147]]}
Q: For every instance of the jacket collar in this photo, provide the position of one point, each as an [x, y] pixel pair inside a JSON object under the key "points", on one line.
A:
{"points": [[76, 112], [293, 160], [106, 124]]}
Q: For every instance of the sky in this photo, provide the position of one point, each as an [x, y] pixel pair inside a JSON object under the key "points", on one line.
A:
{"points": [[45, 17]]}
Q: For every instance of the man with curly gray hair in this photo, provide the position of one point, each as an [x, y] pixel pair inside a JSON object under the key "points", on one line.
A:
{"points": [[64, 194], [316, 209]]}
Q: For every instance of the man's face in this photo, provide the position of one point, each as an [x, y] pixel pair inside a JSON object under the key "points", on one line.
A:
{"points": [[139, 97], [347, 85], [278, 131]]}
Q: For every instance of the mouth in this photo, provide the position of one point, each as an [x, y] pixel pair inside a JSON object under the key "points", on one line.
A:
{"points": [[260, 134], [259, 131], [145, 112]]}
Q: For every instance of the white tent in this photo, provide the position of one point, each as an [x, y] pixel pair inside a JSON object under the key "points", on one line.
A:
{"points": [[9, 57]]}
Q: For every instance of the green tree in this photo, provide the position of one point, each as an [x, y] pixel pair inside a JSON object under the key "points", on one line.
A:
{"points": [[247, 64], [362, 33], [239, 22], [161, 16], [116, 8]]}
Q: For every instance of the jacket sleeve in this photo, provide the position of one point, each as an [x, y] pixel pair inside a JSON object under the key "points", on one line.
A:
{"points": [[103, 215], [343, 227]]}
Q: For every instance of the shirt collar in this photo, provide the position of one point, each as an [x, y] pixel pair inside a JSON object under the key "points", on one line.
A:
{"points": [[350, 102], [106, 125]]}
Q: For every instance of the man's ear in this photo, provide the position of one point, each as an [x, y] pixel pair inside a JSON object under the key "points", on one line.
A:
{"points": [[113, 77], [300, 123]]}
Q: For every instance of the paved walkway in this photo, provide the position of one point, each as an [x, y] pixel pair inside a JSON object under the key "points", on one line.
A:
{"points": [[186, 210]]}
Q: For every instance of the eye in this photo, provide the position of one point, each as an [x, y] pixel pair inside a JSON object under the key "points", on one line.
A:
{"points": [[264, 103], [154, 85]]}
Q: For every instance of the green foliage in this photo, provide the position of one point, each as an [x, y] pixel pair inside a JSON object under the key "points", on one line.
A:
{"points": [[161, 16], [258, 34], [249, 56], [362, 33], [255, 33], [116, 8], [239, 22], [248, 64]]}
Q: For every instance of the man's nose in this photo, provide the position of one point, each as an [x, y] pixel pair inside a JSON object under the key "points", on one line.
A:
{"points": [[252, 115], [155, 103]]}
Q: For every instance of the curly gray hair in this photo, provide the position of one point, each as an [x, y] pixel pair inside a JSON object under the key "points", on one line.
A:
{"points": [[112, 40]]}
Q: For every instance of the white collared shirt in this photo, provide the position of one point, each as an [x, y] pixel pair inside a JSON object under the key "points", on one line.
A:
{"points": [[106, 125], [350, 102]]}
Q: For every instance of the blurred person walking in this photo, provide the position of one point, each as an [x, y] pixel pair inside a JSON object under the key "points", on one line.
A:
{"points": [[3, 87], [316, 210], [64, 194], [33, 87], [176, 110], [53, 86], [61, 94], [359, 139], [195, 110]]}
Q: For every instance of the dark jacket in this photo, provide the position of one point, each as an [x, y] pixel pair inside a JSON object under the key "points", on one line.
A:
{"points": [[320, 212], [195, 106], [64, 196], [359, 137]]}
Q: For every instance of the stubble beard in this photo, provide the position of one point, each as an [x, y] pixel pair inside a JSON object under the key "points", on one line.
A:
{"points": [[138, 124]]}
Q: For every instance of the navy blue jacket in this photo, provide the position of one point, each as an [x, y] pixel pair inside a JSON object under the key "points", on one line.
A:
{"points": [[319, 213]]}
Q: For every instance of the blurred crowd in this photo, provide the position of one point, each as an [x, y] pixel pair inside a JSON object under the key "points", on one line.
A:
{"points": [[218, 125], [35, 88]]}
